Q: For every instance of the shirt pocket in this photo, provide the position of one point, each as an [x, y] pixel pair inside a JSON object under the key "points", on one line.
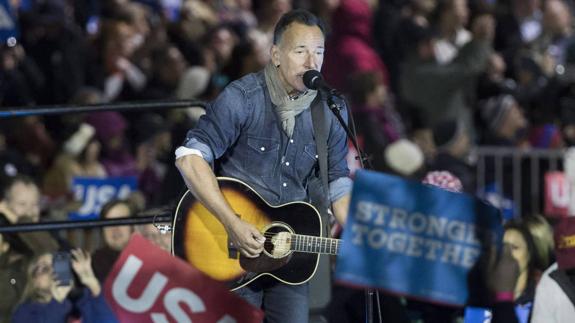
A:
{"points": [[263, 155], [308, 160]]}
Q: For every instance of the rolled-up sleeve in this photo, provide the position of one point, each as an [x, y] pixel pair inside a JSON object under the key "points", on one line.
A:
{"points": [[339, 188], [194, 147]]}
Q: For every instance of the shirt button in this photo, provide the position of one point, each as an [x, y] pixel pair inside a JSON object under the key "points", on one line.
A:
{"points": [[284, 184], [291, 141], [262, 148], [287, 163], [13, 281]]}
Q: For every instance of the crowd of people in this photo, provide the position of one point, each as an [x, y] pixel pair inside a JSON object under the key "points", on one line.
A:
{"points": [[426, 81]]}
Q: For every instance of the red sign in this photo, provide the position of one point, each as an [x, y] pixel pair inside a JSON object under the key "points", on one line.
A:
{"points": [[147, 284], [557, 194]]}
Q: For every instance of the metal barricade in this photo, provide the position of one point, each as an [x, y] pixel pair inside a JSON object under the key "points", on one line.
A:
{"points": [[517, 174], [86, 234]]}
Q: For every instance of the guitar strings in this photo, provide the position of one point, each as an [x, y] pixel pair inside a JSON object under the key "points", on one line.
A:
{"points": [[300, 241], [270, 234], [298, 238]]}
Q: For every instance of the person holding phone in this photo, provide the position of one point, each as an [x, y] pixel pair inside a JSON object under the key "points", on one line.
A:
{"points": [[49, 295]]}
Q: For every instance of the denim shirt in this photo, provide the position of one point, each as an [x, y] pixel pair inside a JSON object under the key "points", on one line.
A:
{"points": [[242, 131]]}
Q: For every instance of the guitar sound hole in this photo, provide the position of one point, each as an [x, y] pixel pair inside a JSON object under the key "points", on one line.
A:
{"points": [[278, 241]]}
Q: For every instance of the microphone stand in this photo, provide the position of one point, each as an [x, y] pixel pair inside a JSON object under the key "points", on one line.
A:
{"points": [[336, 102]]}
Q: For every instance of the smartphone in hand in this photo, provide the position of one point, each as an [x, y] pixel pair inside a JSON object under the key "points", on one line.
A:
{"points": [[62, 268]]}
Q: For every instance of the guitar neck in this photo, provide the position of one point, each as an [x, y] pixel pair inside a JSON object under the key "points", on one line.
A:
{"points": [[312, 244]]}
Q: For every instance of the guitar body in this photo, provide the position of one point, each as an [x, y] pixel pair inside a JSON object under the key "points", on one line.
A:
{"points": [[201, 240]]}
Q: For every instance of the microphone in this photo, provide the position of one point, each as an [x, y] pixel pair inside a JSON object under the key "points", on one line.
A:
{"points": [[313, 80]]}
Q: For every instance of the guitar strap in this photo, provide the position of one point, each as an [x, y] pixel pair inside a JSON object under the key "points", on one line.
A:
{"points": [[320, 128], [563, 280], [320, 285]]}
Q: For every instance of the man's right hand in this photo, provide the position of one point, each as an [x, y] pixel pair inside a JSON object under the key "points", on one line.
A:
{"points": [[246, 238], [201, 181]]}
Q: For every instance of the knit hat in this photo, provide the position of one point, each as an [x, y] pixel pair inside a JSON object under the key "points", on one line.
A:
{"points": [[494, 110], [78, 141], [107, 124], [443, 179], [404, 157], [445, 133], [564, 234]]}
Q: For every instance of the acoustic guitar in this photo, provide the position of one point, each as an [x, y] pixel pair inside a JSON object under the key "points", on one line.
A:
{"points": [[292, 232]]}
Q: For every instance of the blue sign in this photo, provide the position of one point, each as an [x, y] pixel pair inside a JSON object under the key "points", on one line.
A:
{"points": [[492, 193], [414, 239], [522, 312], [477, 315], [8, 24], [95, 192], [484, 315]]}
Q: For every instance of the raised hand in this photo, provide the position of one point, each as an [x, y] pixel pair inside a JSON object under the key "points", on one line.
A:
{"points": [[82, 265]]}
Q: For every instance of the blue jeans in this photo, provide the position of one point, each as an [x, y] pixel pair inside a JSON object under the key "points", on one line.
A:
{"points": [[281, 303]]}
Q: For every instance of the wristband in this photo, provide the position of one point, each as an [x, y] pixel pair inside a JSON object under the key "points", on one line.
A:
{"points": [[504, 297]]}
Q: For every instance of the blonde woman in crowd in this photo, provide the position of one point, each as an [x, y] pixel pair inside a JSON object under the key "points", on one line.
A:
{"points": [[542, 234], [47, 299]]}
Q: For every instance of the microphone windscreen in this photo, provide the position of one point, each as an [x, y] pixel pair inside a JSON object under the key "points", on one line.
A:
{"points": [[311, 78]]}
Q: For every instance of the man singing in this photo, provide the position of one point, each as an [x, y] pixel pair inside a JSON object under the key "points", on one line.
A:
{"points": [[259, 130]]}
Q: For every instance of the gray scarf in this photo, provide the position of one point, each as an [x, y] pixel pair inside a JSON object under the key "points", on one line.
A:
{"points": [[287, 109]]}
